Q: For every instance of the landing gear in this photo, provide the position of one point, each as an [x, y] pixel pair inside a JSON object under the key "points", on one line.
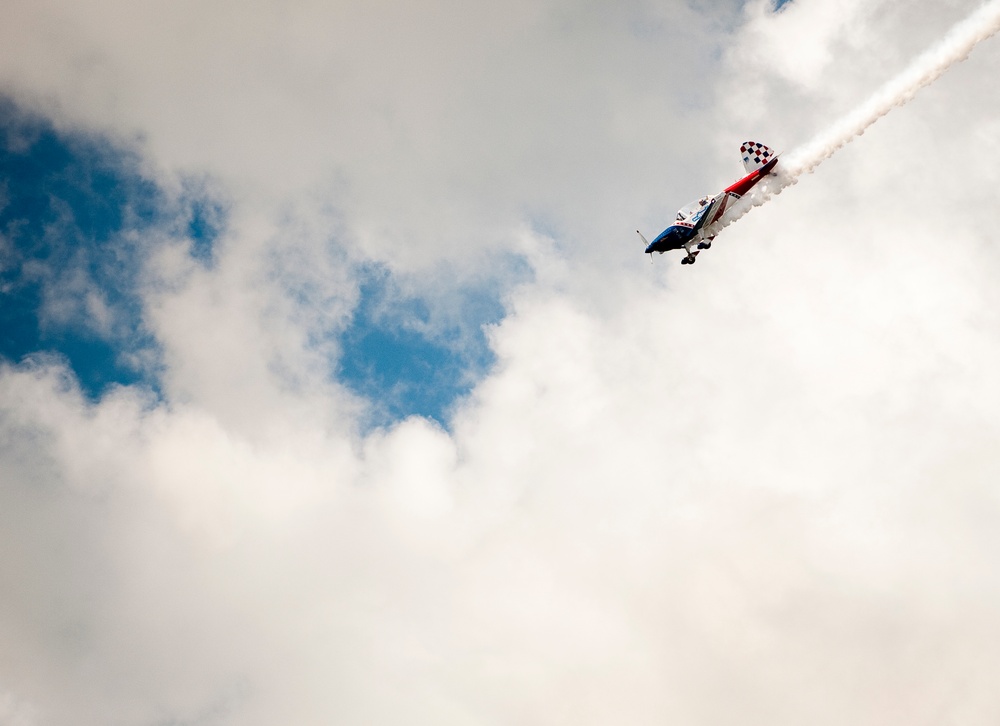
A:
{"points": [[704, 245], [689, 260]]}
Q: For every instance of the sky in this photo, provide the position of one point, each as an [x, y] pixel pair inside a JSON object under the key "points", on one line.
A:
{"points": [[335, 386]]}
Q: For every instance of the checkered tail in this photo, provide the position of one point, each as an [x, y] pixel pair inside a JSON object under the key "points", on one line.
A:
{"points": [[755, 155]]}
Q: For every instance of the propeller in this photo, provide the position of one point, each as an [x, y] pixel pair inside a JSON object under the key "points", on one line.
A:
{"points": [[645, 243]]}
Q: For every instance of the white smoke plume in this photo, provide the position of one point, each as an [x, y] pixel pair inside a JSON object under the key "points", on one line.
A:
{"points": [[924, 70]]}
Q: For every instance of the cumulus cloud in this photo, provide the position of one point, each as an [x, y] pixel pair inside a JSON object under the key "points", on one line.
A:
{"points": [[379, 109], [761, 489]]}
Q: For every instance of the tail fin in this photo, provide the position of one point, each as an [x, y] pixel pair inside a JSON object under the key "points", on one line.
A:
{"points": [[755, 155]]}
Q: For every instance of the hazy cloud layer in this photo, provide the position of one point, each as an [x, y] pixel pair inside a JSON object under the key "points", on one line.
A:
{"points": [[759, 490]]}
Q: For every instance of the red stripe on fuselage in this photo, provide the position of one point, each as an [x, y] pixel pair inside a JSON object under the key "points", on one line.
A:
{"points": [[747, 183]]}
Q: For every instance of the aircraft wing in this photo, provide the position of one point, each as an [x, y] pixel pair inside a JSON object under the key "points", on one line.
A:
{"points": [[710, 212]]}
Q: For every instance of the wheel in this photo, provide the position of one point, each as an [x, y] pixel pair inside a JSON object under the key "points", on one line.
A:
{"points": [[686, 261], [704, 245]]}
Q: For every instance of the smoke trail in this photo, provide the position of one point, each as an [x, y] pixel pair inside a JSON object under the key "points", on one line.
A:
{"points": [[924, 70]]}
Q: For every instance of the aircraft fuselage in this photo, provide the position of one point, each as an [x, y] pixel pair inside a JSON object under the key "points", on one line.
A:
{"points": [[696, 222]]}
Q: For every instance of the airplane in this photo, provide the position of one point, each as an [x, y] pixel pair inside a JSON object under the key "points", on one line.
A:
{"points": [[695, 224]]}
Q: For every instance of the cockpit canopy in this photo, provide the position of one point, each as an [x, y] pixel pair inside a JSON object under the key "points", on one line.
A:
{"points": [[689, 210]]}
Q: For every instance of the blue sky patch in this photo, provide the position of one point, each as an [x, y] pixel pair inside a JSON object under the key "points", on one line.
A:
{"points": [[67, 273], [76, 217], [207, 221], [205, 216], [409, 356]]}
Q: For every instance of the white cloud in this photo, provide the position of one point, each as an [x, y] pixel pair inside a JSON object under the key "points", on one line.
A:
{"points": [[383, 109], [761, 489]]}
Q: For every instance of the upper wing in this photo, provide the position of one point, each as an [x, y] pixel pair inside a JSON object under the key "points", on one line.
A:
{"points": [[712, 211]]}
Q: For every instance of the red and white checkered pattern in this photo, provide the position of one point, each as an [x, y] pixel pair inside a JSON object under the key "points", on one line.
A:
{"points": [[755, 155]]}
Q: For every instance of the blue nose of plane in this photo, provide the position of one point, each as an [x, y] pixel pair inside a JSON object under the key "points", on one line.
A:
{"points": [[672, 238]]}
